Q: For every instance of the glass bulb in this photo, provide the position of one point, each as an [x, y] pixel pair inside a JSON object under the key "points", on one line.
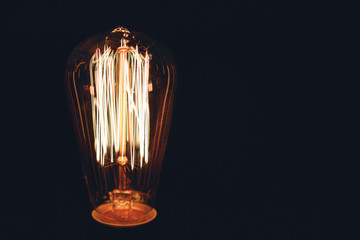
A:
{"points": [[121, 87]]}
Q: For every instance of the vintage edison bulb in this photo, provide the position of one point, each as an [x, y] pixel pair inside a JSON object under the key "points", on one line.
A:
{"points": [[121, 87]]}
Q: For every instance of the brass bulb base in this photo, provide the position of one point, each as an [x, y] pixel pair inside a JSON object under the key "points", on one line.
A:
{"points": [[139, 214]]}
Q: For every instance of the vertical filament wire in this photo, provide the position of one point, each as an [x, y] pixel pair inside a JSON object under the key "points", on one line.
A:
{"points": [[120, 104]]}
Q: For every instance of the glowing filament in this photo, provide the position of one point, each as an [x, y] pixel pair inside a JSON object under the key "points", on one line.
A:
{"points": [[119, 87]]}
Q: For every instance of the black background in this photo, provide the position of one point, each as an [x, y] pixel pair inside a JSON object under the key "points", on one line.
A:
{"points": [[238, 163]]}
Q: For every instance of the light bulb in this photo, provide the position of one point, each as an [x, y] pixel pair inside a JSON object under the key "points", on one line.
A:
{"points": [[120, 87]]}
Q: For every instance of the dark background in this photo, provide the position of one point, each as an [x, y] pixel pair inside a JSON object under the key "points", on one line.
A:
{"points": [[239, 159]]}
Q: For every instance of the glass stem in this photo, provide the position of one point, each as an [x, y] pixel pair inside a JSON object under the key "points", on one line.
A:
{"points": [[122, 178]]}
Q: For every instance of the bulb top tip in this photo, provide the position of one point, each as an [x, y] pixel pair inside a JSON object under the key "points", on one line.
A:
{"points": [[120, 29]]}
